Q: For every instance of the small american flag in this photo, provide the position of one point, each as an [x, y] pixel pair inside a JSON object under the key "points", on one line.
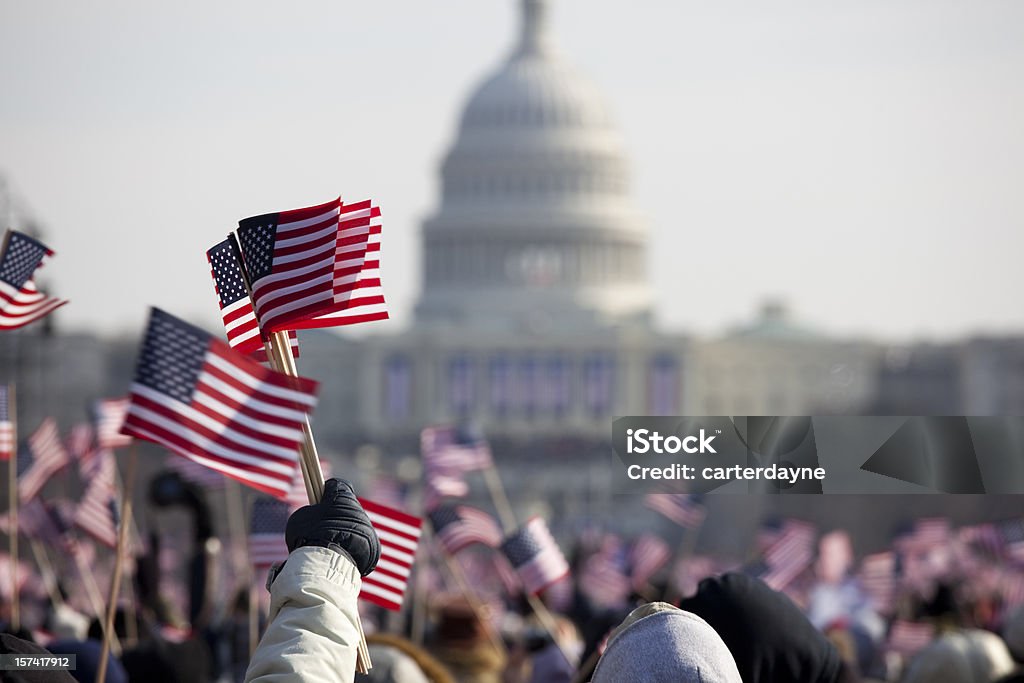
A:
{"points": [[290, 257], [97, 514], [648, 555], [399, 535], [681, 508], [789, 555], [604, 577], [1012, 534], [79, 443], [457, 526], [20, 302], [533, 553], [266, 532], [195, 396], [927, 533], [450, 450], [110, 416], [6, 426], [48, 458], [236, 310], [37, 522], [440, 486], [358, 296], [878, 576], [908, 638]]}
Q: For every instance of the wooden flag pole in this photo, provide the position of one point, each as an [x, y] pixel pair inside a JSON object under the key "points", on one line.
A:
{"points": [[312, 475], [115, 581], [93, 593], [12, 502], [46, 569], [547, 620], [501, 504]]}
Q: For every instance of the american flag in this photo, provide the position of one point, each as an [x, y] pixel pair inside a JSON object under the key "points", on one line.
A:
{"points": [[110, 416], [440, 486], [878, 576], [48, 458], [908, 637], [358, 296], [6, 426], [97, 514], [79, 443], [450, 450], [20, 302], [36, 521], [457, 526], [683, 509], [533, 553], [648, 555], [266, 532], [236, 310], [290, 258], [195, 396], [604, 577], [1011, 532], [927, 533], [399, 535], [789, 554]]}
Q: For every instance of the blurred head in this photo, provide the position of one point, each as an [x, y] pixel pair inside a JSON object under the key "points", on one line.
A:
{"points": [[659, 642], [969, 656]]}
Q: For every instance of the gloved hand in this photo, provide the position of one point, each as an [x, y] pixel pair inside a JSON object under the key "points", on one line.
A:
{"points": [[337, 522]]}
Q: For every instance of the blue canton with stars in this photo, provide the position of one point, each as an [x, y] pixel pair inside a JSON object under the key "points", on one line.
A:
{"points": [[227, 271], [257, 236], [521, 548], [443, 516], [172, 356], [21, 259]]}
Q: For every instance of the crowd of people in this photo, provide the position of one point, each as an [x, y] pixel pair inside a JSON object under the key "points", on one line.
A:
{"points": [[939, 611]]}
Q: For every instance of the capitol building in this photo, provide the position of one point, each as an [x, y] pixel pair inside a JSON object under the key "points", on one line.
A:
{"points": [[536, 310]]}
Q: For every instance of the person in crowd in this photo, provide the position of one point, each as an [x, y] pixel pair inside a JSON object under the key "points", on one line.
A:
{"points": [[461, 642], [769, 637], [313, 632], [962, 656], [660, 643]]}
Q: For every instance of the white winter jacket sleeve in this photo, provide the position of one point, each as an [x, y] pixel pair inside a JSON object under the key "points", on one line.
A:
{"points": [[312, 635]]}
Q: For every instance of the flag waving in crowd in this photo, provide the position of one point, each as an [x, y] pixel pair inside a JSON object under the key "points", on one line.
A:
{"points": [[20, 301], [289, 257], [197, 397], [535, 556], [399, 535], [48, 457]]}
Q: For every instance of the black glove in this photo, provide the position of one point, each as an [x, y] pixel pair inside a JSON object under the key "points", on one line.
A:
{"points": [[337, 522]]}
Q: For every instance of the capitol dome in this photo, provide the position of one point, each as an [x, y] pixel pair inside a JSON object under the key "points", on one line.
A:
{"points": [[535, 225]]}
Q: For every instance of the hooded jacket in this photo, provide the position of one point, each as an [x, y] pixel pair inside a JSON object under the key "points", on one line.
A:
{"points": [[769, 637], [659, 643]]}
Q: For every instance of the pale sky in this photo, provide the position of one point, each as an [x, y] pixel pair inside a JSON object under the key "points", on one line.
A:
{"points": [[862, 160]]}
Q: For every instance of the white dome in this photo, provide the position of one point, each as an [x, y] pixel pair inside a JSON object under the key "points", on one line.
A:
{"points": [[535, 220]]}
